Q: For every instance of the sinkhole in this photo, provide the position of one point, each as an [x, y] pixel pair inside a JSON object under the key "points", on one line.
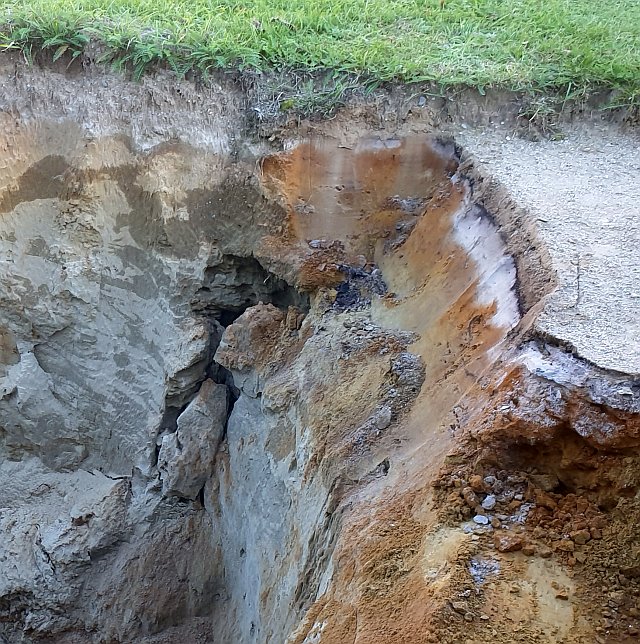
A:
{"points": [[208, 356]]}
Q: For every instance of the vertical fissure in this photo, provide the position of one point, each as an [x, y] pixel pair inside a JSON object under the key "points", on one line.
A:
{"points": [[228, 289]]}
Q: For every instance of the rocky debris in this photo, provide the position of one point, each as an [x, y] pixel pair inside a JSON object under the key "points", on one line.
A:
{"points": [[358, 287], [469, 497], [489, 502], [564, 545], [545, 397], [382, 417], [324, 244], [247, 346], [186, 457], [404, 371], [544, 551], [362, 334], [554, 522], [533, 522], [482, 569], [403, 231], [546, 482], [505, 542], [533, 517], [476, 483], [501, 497], [565, 521], [409, 205], [580, 537]]}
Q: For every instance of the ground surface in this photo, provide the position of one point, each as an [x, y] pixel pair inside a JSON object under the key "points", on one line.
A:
{"points": [[583, 192], [520, 44]]}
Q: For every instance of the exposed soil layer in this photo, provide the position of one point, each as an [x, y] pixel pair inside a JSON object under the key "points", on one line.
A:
{"points": [[308, 389]]}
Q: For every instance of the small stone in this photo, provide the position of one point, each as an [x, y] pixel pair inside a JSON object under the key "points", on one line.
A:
{"points": [[544, 551], [361, 262], [468, 617], [507, 542], [544, 500], [489, 502], [469, 497], [632, 630], [562, 594], [581, 537], [564, 545], [476, 483], [480, 519], [634, 612], [581, 557], [490, 481], [528, 549], [382, 417], [618, 596], [459, 607], [495, 523], [595, 533], [546, 482]]}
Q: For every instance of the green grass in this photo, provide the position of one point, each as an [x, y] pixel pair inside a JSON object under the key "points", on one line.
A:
{"points": [[514, 44]]}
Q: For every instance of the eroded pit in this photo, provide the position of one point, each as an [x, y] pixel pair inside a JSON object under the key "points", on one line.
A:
{"points": [[230, 377]]}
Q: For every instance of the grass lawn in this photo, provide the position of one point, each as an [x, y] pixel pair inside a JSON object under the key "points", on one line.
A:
{"points": [[515, 44]]}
